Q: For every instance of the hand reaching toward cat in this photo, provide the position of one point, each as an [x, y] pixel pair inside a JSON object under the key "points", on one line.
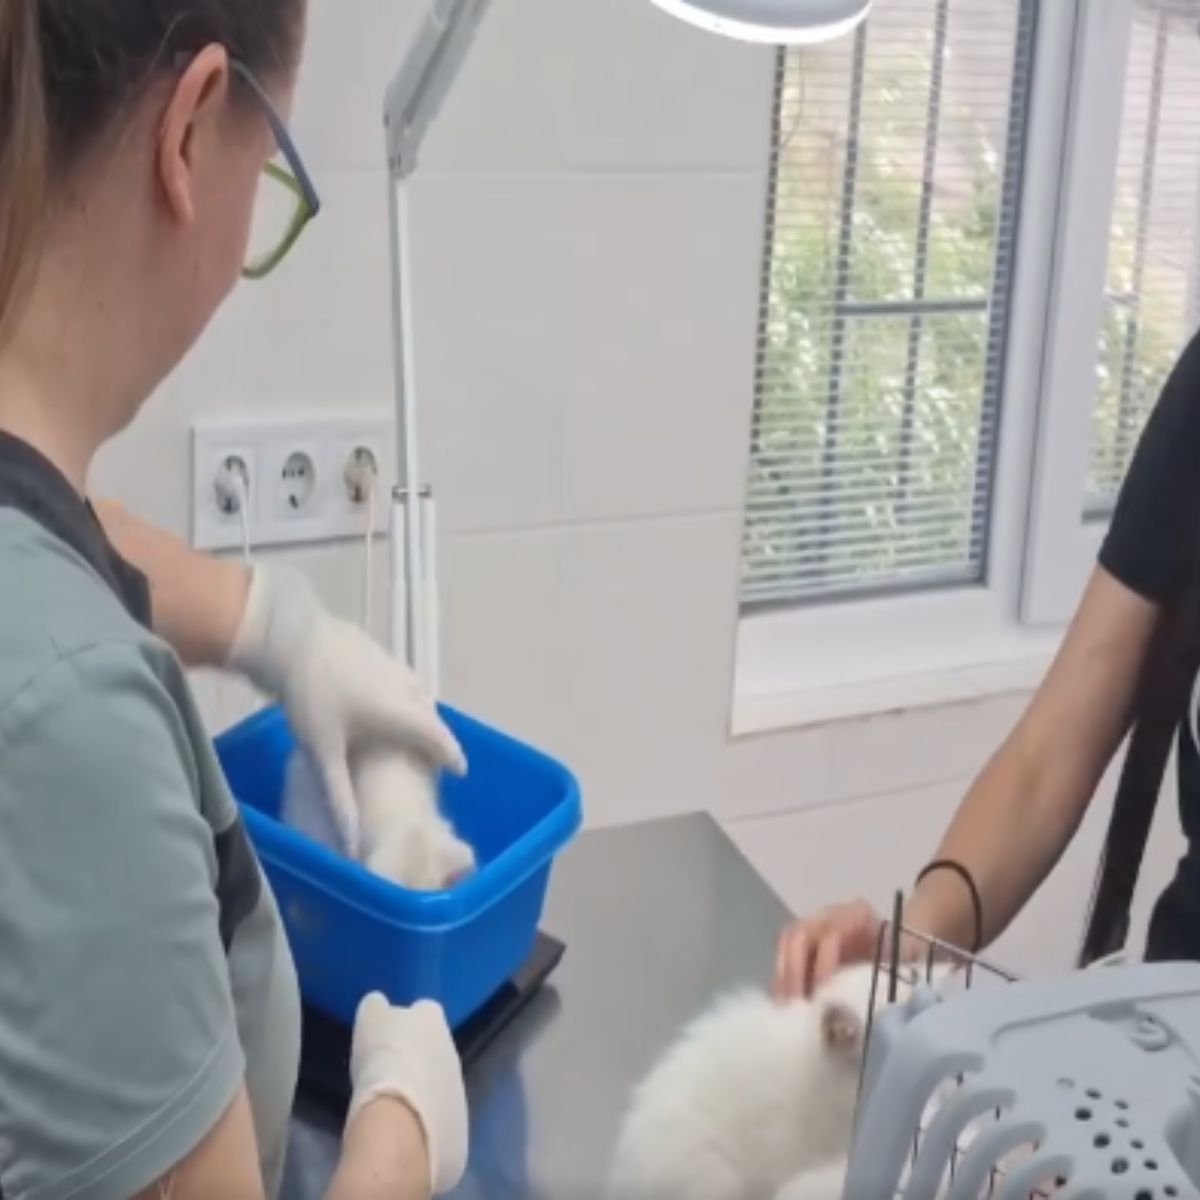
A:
{"points": [[815, 948], [342, 692]]}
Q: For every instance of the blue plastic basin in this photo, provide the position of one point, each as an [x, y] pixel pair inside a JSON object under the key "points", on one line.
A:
{"points": [[352, 933]]}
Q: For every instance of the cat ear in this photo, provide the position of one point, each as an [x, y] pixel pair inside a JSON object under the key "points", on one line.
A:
{"points": [[842, 1028]]}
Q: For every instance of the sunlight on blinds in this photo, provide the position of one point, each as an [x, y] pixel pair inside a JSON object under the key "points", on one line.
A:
{"points": [[1150, 305], [889, 245]]}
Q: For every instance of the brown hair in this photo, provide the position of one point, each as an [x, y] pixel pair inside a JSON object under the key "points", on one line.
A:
{"points": [[70, 68], [22, 147]]}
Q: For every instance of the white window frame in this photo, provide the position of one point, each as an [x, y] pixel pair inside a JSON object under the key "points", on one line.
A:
{"points": [[808, 664], [1062, 544]]}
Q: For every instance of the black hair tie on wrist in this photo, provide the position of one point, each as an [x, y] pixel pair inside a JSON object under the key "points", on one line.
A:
{"points": [[949, 864]]}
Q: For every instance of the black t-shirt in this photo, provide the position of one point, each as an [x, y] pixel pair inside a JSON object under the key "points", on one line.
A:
{"points": [[1152, 547], [1154, 539]]}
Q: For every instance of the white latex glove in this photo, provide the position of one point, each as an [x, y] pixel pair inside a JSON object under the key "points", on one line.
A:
{"points": [[409, 1055], [342, 692]]}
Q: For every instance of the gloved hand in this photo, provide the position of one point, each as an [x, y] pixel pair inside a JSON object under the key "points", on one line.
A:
{"points": [[408, 1054], [342, 692]]}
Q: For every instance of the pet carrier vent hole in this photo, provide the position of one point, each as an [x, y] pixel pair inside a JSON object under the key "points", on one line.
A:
{"points": [[1083, 1114], [1170, 1190], [1144, 1194], [1122, 1123], [1120, 1166], [1102, 1141], [1092, 1094], [1137, 1145], [1068, 1084], [1151, 1164], [1122, 1104]]}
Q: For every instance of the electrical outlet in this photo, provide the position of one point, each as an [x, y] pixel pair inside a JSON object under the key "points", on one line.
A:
{"points": [[214, 522], [232, 486], [361, 475], [297, 484], [297, 469]]}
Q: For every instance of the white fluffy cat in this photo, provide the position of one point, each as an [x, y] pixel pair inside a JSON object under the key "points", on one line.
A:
{"points": [[821, 1183], [404, 836], [755, 1097]]}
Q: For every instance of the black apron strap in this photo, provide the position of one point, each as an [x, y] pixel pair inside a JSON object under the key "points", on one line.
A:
{"points": [[1163, 698]]}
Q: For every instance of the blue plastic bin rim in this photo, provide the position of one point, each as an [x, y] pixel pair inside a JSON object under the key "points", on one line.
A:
{"points": [[366, 891]]}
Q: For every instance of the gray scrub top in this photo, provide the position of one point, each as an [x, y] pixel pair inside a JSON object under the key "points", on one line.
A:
{"points": [[144, 973]]}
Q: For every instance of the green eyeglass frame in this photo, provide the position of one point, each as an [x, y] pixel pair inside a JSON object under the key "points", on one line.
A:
{"points": [[294, 177]]}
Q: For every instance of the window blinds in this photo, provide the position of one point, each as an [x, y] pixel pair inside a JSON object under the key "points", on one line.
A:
{"points": [[889, 242], [1151, 301]]}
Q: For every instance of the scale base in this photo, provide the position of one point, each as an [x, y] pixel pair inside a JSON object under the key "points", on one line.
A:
{"points": [[325, 1042]]}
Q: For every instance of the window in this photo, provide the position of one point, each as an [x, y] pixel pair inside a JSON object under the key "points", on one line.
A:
{"points": [[890, 230], [982, 260], [1150, 300]]}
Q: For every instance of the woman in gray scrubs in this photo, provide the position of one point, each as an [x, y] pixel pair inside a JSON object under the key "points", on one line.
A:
{"points": [[149, 1014]]}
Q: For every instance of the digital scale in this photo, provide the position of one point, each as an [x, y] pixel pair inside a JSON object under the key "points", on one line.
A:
{"points": [[325, 1042]]}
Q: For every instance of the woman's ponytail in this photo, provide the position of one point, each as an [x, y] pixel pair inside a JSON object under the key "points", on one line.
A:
{"points": [[23, 150]]}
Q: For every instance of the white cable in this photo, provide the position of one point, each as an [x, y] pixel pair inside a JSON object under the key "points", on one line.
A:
{"points": [[244, 515], [233, 496], [431, 650], [369, 560], [361, 476], [232, 487]]}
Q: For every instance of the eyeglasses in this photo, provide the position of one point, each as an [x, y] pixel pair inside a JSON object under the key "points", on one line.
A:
{"points": [[287, 200]]}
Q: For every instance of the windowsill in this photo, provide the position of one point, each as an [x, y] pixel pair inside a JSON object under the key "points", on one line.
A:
{"points": [[794, 672]]}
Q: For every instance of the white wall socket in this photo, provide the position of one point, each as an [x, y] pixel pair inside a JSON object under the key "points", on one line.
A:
{"points": [[298, 490]]}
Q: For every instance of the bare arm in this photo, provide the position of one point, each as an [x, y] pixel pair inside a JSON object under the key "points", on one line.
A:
{"points": [[197, 600], [383, 1158], [1022, 810]]}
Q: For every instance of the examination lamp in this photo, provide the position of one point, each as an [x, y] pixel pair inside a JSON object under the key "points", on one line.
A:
{"points": [[413, 98], [778, 22]]}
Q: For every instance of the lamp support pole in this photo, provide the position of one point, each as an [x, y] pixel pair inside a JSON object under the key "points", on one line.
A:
{"points": [[413, 99]]}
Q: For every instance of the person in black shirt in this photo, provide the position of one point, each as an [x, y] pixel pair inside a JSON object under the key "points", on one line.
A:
{"points": [[1023, 809]]}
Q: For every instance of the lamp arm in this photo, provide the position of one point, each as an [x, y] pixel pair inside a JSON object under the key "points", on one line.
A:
{"points": [[433, 62]]}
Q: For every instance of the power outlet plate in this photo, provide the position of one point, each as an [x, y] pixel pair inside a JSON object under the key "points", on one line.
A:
{"points": [[285, 509]]}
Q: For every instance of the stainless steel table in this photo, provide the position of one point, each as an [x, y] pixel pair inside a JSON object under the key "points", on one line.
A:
{"points": [[657, 918]]}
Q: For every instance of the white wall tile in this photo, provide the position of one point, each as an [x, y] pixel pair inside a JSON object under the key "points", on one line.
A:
{"points": [[776, 773], [865, 848], [604, 85], [548, 85], [903, 750], [503, 633], [573, 382], [317, 332], [651, 608], [665, 331], [494, 311], [351, 53]]}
